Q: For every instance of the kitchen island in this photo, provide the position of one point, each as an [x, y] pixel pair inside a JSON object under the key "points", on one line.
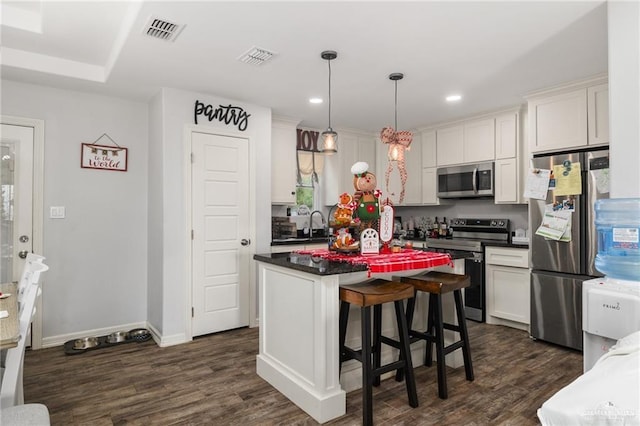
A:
{"points": [[299, 313]]}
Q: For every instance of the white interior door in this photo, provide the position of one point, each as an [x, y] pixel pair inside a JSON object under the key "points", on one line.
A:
{"points": [[220, 221], [16, 211]]}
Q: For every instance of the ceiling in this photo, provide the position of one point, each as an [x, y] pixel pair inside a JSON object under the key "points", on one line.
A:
{"points": [[492, 53]]}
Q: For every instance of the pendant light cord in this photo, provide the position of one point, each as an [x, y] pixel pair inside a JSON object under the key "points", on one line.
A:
{"points": [[396, 107], [329, 61]]}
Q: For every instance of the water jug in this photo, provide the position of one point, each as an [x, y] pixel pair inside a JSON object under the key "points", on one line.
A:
{"points": [[618, 229]]}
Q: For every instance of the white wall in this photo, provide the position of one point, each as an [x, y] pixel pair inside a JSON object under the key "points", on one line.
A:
{"points": [[624, 95], [177, 112], [97, 255], [155, 246]]}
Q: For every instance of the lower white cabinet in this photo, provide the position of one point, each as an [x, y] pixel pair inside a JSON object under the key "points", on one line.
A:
{"points": [[507, 286]]}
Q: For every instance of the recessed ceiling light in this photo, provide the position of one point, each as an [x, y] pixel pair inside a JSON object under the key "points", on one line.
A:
{"points": [[315, 100], [453, 98]]}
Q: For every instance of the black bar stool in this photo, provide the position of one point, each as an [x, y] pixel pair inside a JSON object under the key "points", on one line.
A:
{"points": [[365, 295], [436, 284]]}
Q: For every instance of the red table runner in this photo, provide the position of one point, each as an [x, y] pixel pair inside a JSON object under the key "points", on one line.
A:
{"points": [[405, 260]]}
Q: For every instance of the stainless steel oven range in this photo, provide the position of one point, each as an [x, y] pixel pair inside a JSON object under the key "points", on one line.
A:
{"points": [[467, 242]]}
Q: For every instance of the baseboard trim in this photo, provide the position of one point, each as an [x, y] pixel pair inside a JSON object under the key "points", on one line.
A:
{"points": [[164, 341]]}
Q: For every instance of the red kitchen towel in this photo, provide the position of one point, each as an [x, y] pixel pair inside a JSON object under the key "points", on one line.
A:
{"points": [[388, 262]]}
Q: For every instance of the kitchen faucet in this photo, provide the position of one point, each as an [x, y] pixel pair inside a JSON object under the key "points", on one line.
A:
{"points": [[324, 225]]}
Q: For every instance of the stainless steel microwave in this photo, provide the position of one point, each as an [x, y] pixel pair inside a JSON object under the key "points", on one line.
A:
{"points": [[466, 181]]}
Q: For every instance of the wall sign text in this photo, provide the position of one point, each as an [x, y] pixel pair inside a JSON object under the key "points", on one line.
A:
{"points": [[104, 157], [307, 140], [226, 114]]}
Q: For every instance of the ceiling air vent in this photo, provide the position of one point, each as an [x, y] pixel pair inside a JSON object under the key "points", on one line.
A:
{"points": [[162, 29], [256, 56]]}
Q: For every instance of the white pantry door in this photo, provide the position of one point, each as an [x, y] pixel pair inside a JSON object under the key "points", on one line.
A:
{"points": [[16, 210], [220, 221]]}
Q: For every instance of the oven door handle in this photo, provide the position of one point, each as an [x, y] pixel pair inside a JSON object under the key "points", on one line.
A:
{"points": [[475, 180]]}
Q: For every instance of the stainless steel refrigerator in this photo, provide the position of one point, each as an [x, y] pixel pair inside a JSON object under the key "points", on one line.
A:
{"points": [[559, 268]]}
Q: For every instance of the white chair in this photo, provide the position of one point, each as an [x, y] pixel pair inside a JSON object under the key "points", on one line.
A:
{"points": [[29, 298], [11, 391], [30, 263], [25, 415]]}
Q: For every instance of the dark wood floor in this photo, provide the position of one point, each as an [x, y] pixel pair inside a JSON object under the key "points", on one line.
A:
{"points": [[212, 381]]}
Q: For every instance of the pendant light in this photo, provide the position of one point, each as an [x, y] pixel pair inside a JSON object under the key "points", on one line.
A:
{"points": [[394, 153], [329, 137], [398, 142]]}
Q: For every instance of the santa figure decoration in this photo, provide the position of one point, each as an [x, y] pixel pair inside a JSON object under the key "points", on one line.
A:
{"points": [[366, 196]]}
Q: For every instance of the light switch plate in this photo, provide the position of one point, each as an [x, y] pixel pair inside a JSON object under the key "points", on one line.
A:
{"points": [[56, 212]]}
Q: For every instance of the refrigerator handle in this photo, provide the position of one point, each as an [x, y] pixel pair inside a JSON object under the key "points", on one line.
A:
{"points": [[475, 179]]}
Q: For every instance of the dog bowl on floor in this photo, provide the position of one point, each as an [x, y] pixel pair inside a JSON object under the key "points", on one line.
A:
{"points": [[117, 337], [139, 334], [86, 343]]}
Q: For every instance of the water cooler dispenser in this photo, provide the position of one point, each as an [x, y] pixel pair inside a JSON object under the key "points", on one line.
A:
{"points": [[610, 311], [611, 305]]}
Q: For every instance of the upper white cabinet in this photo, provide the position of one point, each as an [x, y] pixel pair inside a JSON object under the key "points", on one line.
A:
{"points": [[510, 164], [428, 140], [430, 186], [598, 114], [469, 142], [575, 116], [479, 141], [507, 136], [449, 143], [336, 176], [506, 181], [283, 162]]}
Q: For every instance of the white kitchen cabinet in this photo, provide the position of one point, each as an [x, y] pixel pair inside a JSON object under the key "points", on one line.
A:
{"points": [[428, 139], [337, 177], [507, 286], [470, 142], [430, 186], [283, 162], [449, 145], [479, 141], [569, 117], [598, 114], [506, 181], [507, 136]]}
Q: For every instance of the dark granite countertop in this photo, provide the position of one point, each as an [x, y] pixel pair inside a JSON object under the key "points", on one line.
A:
{"points": [[296, 241], [505, 244], [309, 264]]}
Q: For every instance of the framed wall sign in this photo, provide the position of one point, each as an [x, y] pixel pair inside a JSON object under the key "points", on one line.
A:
{"points": [[103, 157]]}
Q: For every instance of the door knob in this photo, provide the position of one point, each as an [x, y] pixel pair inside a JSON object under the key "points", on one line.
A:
{"points": [[245, 242], [23, 254]]}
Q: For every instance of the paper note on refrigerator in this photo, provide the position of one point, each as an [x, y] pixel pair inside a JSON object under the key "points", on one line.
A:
{"points": [[555, 224], [568, 179], [537, 184]]}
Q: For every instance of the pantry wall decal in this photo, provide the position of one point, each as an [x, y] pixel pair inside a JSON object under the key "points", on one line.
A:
{"points": [[104, 157]]}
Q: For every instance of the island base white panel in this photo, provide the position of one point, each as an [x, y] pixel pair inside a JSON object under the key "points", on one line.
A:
{"points": [[298, 354], [322, 408]]}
